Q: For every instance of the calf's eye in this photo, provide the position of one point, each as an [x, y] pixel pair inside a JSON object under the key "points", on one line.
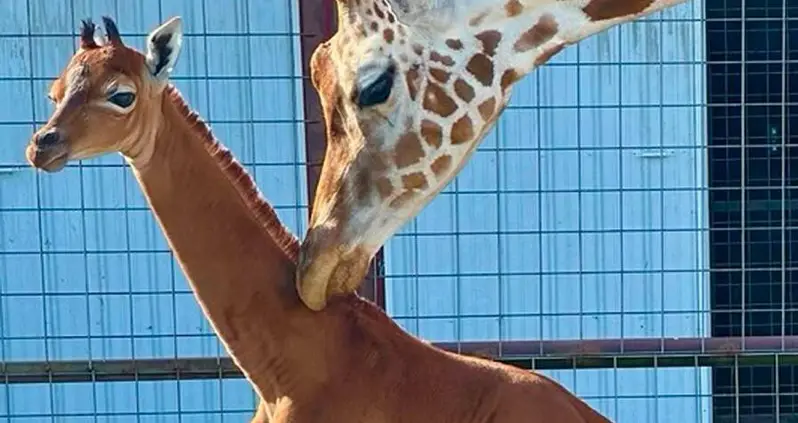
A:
{"points": [[123, 100]]}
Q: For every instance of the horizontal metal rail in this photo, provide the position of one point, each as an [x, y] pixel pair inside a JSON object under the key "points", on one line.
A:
{"points": [[539, 355], [756, 418]]}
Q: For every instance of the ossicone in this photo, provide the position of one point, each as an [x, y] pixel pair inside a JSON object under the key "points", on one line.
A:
{"points": [[87, 29], [111, 31]]}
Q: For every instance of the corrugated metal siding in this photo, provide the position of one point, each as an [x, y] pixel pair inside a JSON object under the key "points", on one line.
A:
{"points": [[566, 224], [99, 241]]}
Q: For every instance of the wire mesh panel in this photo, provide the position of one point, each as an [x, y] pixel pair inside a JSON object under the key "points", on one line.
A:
{"points": [[598, 209], [155, 401], [751, 50], [85, 272], [625, 228], [572, 207]]}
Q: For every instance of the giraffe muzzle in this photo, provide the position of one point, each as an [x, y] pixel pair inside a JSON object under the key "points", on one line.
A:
{"points": [[325, 272], [48, 151]]}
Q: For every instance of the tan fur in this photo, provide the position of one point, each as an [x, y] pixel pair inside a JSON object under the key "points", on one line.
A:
{"points": [[513, 8], [349, 363]]}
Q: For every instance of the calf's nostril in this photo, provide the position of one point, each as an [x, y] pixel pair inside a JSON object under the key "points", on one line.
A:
{"points": [[47, 139]]}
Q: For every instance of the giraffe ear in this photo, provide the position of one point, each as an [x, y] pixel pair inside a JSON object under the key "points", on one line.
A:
{"points": [[163, 48]]}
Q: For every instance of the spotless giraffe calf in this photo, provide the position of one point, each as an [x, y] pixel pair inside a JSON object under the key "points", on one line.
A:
{"points": [[349, 363]]}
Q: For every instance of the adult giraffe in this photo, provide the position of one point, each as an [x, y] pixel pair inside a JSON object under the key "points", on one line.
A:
{"points": [[407, 95], [349, 363]]}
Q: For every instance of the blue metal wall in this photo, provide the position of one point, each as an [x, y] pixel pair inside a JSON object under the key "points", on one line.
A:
{"points": [[581, 216], [84, 269]]}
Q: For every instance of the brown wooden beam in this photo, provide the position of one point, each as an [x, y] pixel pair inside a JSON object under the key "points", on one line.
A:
{"points": [[317, 24]]}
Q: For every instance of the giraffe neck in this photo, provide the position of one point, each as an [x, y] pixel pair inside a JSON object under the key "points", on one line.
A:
{"points": [[368, 10], [465, 77], [238, 259], [361, 19]]}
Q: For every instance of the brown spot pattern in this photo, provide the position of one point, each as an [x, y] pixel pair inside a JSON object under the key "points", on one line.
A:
{"points": [[541, 32], [374, 26], [454, 44], [378, 162], [418, 49], [482, 68], [440, 58], [401, 200], [387, 35], [384, 187], [408, 150], [362, 184], [414, 181], [378, 12], [437, 101], [513, 8], [487, 108], [476, 20], [599, 10], [391, 17], [463, 90], [432, 133], [441, 165], [509, 77], [440, 75], [490, 40], [411, 77], [548, 53], [462, 130]]}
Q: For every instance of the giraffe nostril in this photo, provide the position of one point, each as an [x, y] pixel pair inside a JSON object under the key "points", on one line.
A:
{"points": [[48, 139]]}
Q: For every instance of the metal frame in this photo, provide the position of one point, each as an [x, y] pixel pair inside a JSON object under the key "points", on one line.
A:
{"points": [[317, 24], [539, 355]]}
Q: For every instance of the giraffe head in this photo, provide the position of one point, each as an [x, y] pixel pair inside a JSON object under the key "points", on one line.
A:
{"points": [[407, 97], [104, 96]]}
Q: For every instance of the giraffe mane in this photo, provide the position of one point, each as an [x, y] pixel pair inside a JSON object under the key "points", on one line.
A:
{"points": [[244, 183], [361, 310]]}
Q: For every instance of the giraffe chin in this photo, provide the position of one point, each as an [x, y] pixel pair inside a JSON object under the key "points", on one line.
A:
{"points": [[330, 274]]}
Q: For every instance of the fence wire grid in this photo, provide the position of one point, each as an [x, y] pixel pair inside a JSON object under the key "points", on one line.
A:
{"points": [[627, 227]]}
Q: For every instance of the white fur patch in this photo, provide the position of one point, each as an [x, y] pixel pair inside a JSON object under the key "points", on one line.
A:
{"points": [[370, 72], [161, 59]]}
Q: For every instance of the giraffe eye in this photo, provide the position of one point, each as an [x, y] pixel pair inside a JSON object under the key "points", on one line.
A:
{"points": [[122, 99], [378, 91]]}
